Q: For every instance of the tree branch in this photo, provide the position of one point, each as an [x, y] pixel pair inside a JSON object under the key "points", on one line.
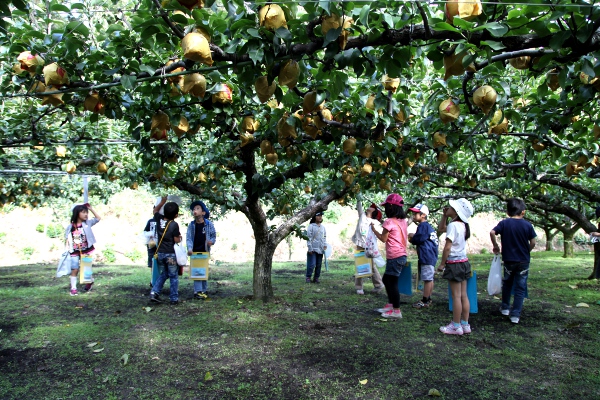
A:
{"points": [[165, 17]]}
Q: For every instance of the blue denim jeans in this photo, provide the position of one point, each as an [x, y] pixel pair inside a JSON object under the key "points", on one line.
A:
{"points": [[200, 286], [167, 265], [514, 274], [313, 262]]}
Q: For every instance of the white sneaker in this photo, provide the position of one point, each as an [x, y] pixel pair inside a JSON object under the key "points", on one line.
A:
{"points": [[514, 320], [360, 292], [504, 312]]}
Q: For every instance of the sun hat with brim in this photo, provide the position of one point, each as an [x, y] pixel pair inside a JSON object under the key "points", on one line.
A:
{"points": [[394, 199], [420, 208], [463, 208], [203, 206]]}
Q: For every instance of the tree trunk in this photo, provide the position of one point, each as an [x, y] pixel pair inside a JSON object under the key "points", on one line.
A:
{"points": [[263, 263], [596, 272], [568, 244], [549, 237]]}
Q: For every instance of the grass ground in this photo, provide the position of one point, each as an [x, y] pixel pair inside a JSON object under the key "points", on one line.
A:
{"points": [[312, 341]]}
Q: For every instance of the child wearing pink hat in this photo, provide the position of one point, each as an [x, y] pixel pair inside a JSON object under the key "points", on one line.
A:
{"points": [[394, 235]]}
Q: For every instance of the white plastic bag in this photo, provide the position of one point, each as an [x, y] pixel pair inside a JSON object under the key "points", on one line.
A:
{"points": [[379, 261], [371, 249], [495, 277], [181, 255], [64, 264]]}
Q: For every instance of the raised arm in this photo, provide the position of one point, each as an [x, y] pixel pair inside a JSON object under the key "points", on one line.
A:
{"points": [[159, 205], [96, 215]]}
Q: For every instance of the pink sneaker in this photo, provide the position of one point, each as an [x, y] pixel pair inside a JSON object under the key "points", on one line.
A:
{"points": [[386, 308], [450, 329], [392, 314], [74, 292], [466, 328]]}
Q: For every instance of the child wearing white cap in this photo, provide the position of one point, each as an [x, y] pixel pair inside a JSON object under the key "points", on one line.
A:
{"points": [[455, 264], [426, 240]]}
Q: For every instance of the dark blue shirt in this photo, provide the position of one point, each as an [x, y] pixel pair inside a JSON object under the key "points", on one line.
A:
{"points": [[515, 234], [426, 240]]}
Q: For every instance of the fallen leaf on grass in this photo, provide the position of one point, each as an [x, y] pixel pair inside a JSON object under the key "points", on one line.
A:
{"points": [[105, 379], [208, 377], [496, 297], [155, 358], [239, 301], [434, 392], [148, 309], [125, 359], [573, 286], [92, 344], [582, 305], [99, 350], [364, 381], [383, 319]]}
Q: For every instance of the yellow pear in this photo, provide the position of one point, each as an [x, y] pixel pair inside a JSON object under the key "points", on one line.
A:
{"points": [[101, 167], [272, 17], [196, 48], [439, 140], [349, 146], [449, 111], [366, 151], [61, 151], [485, 98]]}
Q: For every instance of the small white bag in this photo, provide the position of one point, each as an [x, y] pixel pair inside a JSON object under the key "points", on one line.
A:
{"points": [[371, 249], [181, 255], [64, 264], [495, 277]]}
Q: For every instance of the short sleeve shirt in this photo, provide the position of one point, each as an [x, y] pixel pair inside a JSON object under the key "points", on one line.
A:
{"points": [[396, 244], [515, 234], [455, 232], [167, 245]]}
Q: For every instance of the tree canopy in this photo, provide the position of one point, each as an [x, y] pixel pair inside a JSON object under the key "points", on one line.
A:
{"points": [[277, 109]]}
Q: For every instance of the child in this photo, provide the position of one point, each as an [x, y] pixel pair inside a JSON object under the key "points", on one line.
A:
{"points": [[201, 235], [455, 264], [316, 247], [167, 230], [518, 239], [426, 240], [80, 240], [395, 238], [365, 219]]}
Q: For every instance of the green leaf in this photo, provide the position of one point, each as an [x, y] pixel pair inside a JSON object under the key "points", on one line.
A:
{"points": [[496, 29], [461, 23], [363, 18], [388, 20], [587, 68], [148, 69], [493, 44], [444, 26], [20, 4], [125, 359], [242, 23], [325, 6], [149, 32], [332, 35], [77, 27], [59, 8], [284, 34], [558, 39], [256, 54], [254, 33], [128, 81]]}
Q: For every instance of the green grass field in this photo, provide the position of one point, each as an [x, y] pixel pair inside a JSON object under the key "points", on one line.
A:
{"points": [[312, 341]]}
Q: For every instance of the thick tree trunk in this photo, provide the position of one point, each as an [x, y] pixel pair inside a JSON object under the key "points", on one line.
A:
{"points": [[549, 237], [263, 263], [568, 244], [596, 272]]}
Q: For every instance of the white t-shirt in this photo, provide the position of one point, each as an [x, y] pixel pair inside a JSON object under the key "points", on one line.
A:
{"points": [[455, 231]]}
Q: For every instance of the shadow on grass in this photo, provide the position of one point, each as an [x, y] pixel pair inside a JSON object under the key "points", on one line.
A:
{"points": [[311, 341]]}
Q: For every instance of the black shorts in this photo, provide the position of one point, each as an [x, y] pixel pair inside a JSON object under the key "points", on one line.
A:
{"points": [[458, 272]]}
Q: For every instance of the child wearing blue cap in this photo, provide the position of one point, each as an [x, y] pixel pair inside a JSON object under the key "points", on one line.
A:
{"points": [[201, 235]]}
